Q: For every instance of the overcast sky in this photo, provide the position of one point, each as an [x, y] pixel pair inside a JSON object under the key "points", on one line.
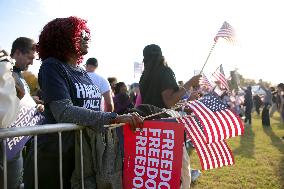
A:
{"points": [[184, 29]]}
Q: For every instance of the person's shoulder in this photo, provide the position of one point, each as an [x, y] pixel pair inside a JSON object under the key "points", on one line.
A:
{"points": [[51, 63], [94, 77], [51, 60], [97, 76], [51, 66], [104, 80], [104, 83], [92, 74], [167, 70]]}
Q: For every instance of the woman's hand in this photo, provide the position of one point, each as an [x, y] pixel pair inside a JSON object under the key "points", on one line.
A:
{"points": [[193, 82], [133, 119], [194, 95], [40, 107], [37, 100]]}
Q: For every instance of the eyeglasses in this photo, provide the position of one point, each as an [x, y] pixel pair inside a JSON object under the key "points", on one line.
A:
{"points": [[85, 35]]}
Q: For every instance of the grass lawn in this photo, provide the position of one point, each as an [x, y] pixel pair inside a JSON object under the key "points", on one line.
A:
{"points": [[259, 159]]}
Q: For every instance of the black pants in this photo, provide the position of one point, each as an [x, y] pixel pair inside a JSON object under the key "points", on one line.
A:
{"points": [[248, 115], [257, 109], [265, 115], [48, 167]]}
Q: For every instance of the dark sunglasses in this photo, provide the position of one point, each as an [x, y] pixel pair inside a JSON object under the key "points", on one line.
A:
{"points": [[85, 35]]}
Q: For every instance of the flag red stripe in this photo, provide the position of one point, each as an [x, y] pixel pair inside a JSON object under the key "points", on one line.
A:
{"points": [[227, 32], [227, 155], [212, 155], [223, 161], [240, 125], [222, 128], [214, 119], [217, 126], [197, 132], [201, 151], [220, 77], [205, 119], [211, 146], [230, 153], [237, 123], [228, 122]]}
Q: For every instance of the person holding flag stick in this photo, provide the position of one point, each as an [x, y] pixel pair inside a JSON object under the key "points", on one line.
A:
{"points": [[158, 84], [158, 87]]}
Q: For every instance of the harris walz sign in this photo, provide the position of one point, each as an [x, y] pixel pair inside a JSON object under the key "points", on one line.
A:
{"points": [[28, 116]]}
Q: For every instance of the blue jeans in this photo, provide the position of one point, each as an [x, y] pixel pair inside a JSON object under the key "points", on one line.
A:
{"points": [[14, 170]]}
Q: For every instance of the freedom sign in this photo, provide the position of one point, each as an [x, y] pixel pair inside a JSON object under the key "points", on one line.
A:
{"points": [[28, 116], [153, 156]]}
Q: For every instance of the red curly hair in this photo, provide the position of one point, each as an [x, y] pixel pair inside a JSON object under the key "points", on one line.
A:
{"points": [[61, 38]]}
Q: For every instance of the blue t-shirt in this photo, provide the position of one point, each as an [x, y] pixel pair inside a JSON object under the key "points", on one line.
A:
{"points": [[58, 81]]}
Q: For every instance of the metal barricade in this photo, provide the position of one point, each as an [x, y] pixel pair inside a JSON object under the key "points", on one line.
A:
{"points": [[34, 131]]}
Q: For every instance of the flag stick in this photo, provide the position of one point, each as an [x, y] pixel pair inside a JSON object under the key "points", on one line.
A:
{"points": [[208, 55]]}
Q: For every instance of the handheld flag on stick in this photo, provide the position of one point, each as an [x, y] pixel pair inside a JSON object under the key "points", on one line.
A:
{"points": [[205, 82], [219, 75], [211, 155], [218, 120], [212, 123], [227, 32]]}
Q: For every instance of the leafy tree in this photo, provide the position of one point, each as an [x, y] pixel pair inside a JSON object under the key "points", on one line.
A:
{"points": [[32, 81]]}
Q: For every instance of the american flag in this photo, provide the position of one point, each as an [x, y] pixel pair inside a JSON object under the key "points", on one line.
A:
{"points": [[211, 155], [218, 121], [227, 32], [219, 76], [138, 69], [205, 82]]}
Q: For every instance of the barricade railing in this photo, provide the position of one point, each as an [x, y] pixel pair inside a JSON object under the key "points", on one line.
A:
{"points": [[38, 130]]}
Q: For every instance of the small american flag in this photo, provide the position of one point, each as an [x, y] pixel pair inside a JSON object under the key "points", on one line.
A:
{"points": [[205, 82], [218, 121], [211, 155], [138, 69], [219, 76], [227, 32]]}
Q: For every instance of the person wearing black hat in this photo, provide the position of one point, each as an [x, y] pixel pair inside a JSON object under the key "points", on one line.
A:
{"points": [[102, 83], [158, 84], [158, 87]]}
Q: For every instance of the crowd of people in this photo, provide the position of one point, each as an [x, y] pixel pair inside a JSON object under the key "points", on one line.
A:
{"points": [[71, 93], [245, 101]]}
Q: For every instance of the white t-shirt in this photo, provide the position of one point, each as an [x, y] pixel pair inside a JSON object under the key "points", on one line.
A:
{"points": [[101, 82]]}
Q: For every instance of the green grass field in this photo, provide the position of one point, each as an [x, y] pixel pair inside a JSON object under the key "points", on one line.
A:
{"points": [[259, 160]]}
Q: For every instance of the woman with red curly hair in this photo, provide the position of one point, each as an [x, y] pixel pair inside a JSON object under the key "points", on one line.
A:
{"points": [[71, 97]]}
